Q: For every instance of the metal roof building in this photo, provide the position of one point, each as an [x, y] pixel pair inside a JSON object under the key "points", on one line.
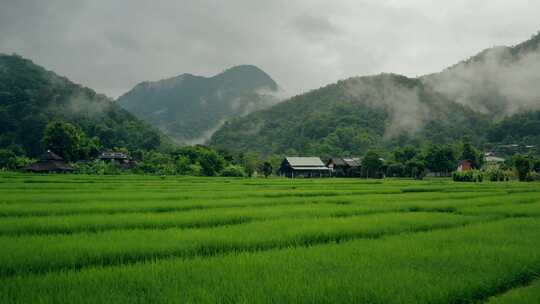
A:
{"points": [[303, 166]]}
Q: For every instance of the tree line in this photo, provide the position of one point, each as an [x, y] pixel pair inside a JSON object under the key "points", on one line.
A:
{"points": [[71, 143]]}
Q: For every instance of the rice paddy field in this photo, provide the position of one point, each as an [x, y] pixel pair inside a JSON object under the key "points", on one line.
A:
{"points": [[144, 239]]}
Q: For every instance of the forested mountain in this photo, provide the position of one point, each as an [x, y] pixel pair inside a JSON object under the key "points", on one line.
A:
{"points": [[492, 97], [31, 97], [499, 81], [350, 117], [190, 108]]}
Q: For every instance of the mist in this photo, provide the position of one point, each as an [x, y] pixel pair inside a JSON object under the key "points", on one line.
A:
{"points": [[498, 83], [406, 112]]}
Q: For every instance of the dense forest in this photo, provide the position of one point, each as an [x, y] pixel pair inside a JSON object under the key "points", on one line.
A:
{"points": [[390, 110], [32, 97]]}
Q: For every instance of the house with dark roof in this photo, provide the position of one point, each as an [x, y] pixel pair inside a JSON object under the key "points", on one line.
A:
{"points": [[121, 158], [303, 167], [118, 156], [344, 167], [49, 162]]}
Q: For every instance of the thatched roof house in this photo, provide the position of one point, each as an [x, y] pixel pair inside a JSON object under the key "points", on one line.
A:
{"points": [[49, 162]]}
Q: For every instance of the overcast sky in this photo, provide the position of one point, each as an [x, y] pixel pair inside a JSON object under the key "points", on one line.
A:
{"points": [[112, 45]]}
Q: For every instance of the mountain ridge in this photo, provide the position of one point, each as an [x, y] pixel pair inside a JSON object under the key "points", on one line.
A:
{"points": [[468, 98], [189, 108]]}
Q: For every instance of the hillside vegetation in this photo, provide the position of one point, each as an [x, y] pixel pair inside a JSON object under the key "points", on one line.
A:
{"points": [[190, 108], [32, 97], [491, 97]]}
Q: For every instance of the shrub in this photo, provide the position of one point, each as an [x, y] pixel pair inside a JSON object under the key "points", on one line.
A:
{"points": [[233, 171], [533, 176], [497, 175], [468, 176], [523, 166]]}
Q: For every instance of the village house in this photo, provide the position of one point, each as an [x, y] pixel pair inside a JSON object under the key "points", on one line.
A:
{"points": [[49, 162], [303, 167], [344, 167], [492, 161], [465, 165], [117, 156], [121, 158]]}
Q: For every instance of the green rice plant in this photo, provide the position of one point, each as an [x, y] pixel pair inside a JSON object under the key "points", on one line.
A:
{"points": [[476, 176], [42, 253], [509, 210], [521, 295], [207, 217], [458, 265]]}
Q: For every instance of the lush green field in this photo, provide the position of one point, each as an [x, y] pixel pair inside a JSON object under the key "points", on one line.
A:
{"points": [[133, 239]]}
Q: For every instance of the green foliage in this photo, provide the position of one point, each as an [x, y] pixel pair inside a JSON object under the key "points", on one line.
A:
{"points": [[415, 168], [521, 128], [497, 175], [211, 163], [372, 165], [533, 176], [476, 176], [202, 160], [32, 97], [469, 152], [536, 165], [395, 169], [98, 167], [405, 154], [8, 159], [63, 139], [250, 161], [523, 166], [233, 171], [440, 159], [266, 168], [349, 118]]}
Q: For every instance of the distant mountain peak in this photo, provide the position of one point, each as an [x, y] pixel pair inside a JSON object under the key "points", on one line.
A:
{"points": [[189, 108]]}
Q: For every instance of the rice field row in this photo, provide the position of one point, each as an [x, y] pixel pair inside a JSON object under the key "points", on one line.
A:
{"points": [[125, 239]]}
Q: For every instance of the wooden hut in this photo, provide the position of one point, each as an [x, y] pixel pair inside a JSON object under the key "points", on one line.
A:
{"points": [[49, 162], [344, 167], [303, 167]]}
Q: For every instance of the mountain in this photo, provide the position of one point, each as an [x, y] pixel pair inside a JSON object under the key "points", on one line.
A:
{"points": [[190, 108], [31, 97], [477, 97], [499, 81], [350, 117]]}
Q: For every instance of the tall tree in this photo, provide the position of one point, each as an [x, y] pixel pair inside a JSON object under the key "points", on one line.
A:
{"points": [[267, 169], [440, 159], [63, 139], [469, 152], [372, 164], [249, 162], [523, 166]]}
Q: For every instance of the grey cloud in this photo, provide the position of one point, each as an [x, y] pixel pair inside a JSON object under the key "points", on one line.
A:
{"points": [[112, 45], [314, 27]]}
